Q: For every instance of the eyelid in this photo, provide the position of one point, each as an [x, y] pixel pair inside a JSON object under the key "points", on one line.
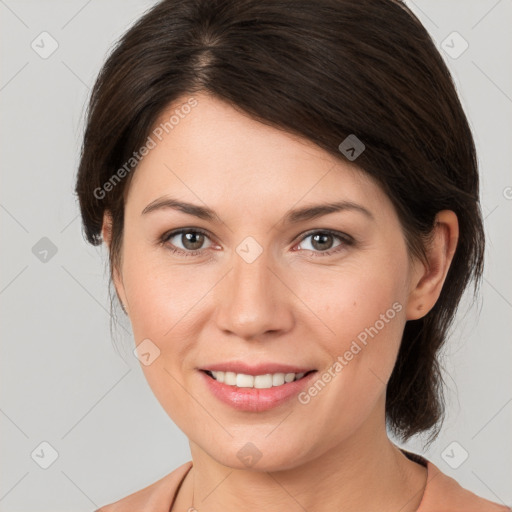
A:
{"points": [[339, 234], [179, 231]]}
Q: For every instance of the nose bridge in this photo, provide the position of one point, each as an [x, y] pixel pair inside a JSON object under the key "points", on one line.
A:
{"points": [[251, 278], [250, 301]]}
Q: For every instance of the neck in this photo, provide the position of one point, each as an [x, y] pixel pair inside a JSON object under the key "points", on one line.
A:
{"points": [[365, 472]]}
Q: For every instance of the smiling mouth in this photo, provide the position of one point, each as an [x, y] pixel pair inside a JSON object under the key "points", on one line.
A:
{"points": [[266, 381]]}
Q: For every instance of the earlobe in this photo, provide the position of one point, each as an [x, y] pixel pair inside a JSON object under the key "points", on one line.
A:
{"points": [[106, 229], [106, 233], [428, 279]]}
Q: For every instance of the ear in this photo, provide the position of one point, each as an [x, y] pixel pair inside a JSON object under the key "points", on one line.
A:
{"points": [[427, 280], [106, 233]]}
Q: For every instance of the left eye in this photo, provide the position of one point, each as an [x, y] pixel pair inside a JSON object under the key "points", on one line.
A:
{"points": [[322, 241]]}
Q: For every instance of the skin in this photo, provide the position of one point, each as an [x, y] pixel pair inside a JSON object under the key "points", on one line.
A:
{"points": [[214, 306]]}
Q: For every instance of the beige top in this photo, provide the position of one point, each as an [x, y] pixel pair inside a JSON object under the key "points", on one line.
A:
{"points": [[442, 494]]}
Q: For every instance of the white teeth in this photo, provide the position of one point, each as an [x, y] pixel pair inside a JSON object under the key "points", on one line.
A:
{"points": [[289, 377], [278, 379], [244, 381], [266, 381]]}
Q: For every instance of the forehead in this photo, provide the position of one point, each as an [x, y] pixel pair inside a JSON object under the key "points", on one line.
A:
{"points": [[216, 153]]}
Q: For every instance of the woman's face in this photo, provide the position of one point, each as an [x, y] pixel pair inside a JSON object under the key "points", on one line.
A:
{"points": [[259, 284]]}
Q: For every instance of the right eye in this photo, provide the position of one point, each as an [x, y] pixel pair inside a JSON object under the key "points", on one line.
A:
{"points": [[191, 241]]}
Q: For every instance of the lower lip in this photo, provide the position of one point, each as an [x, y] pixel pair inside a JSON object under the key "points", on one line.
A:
{"points": [[252, 399]]}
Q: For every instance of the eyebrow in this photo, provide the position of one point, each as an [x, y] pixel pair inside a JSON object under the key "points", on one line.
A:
{"points": [[291, 217]]}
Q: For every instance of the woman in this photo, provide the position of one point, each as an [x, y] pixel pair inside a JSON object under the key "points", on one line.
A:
{"points": [[226, 142]]}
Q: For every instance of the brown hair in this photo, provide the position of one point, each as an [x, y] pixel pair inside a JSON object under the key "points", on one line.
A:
{"points": [[321, 69]]}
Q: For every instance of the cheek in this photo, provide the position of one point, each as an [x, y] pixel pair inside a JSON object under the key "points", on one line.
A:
{"points": [[362, 313], [160, 293], [352, 298], [367, 314], [164, 303]]}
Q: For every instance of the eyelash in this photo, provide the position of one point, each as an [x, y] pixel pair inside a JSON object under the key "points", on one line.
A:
{"points": [[346, 240]]}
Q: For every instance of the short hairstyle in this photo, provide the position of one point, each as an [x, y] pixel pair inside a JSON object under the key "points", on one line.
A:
{"points": [[323, 70]]}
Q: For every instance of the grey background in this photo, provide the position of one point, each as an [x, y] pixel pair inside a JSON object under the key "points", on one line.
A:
{"points": [[63, 382]]}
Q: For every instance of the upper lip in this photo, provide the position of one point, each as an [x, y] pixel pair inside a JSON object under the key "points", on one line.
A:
{"points": [[256, 369]]}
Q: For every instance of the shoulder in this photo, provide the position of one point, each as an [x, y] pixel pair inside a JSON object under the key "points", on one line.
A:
{"points": [[444, 494], [153, 498]]}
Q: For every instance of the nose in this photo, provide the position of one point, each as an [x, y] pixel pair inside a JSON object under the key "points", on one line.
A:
{"points": [[253, 301]]}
